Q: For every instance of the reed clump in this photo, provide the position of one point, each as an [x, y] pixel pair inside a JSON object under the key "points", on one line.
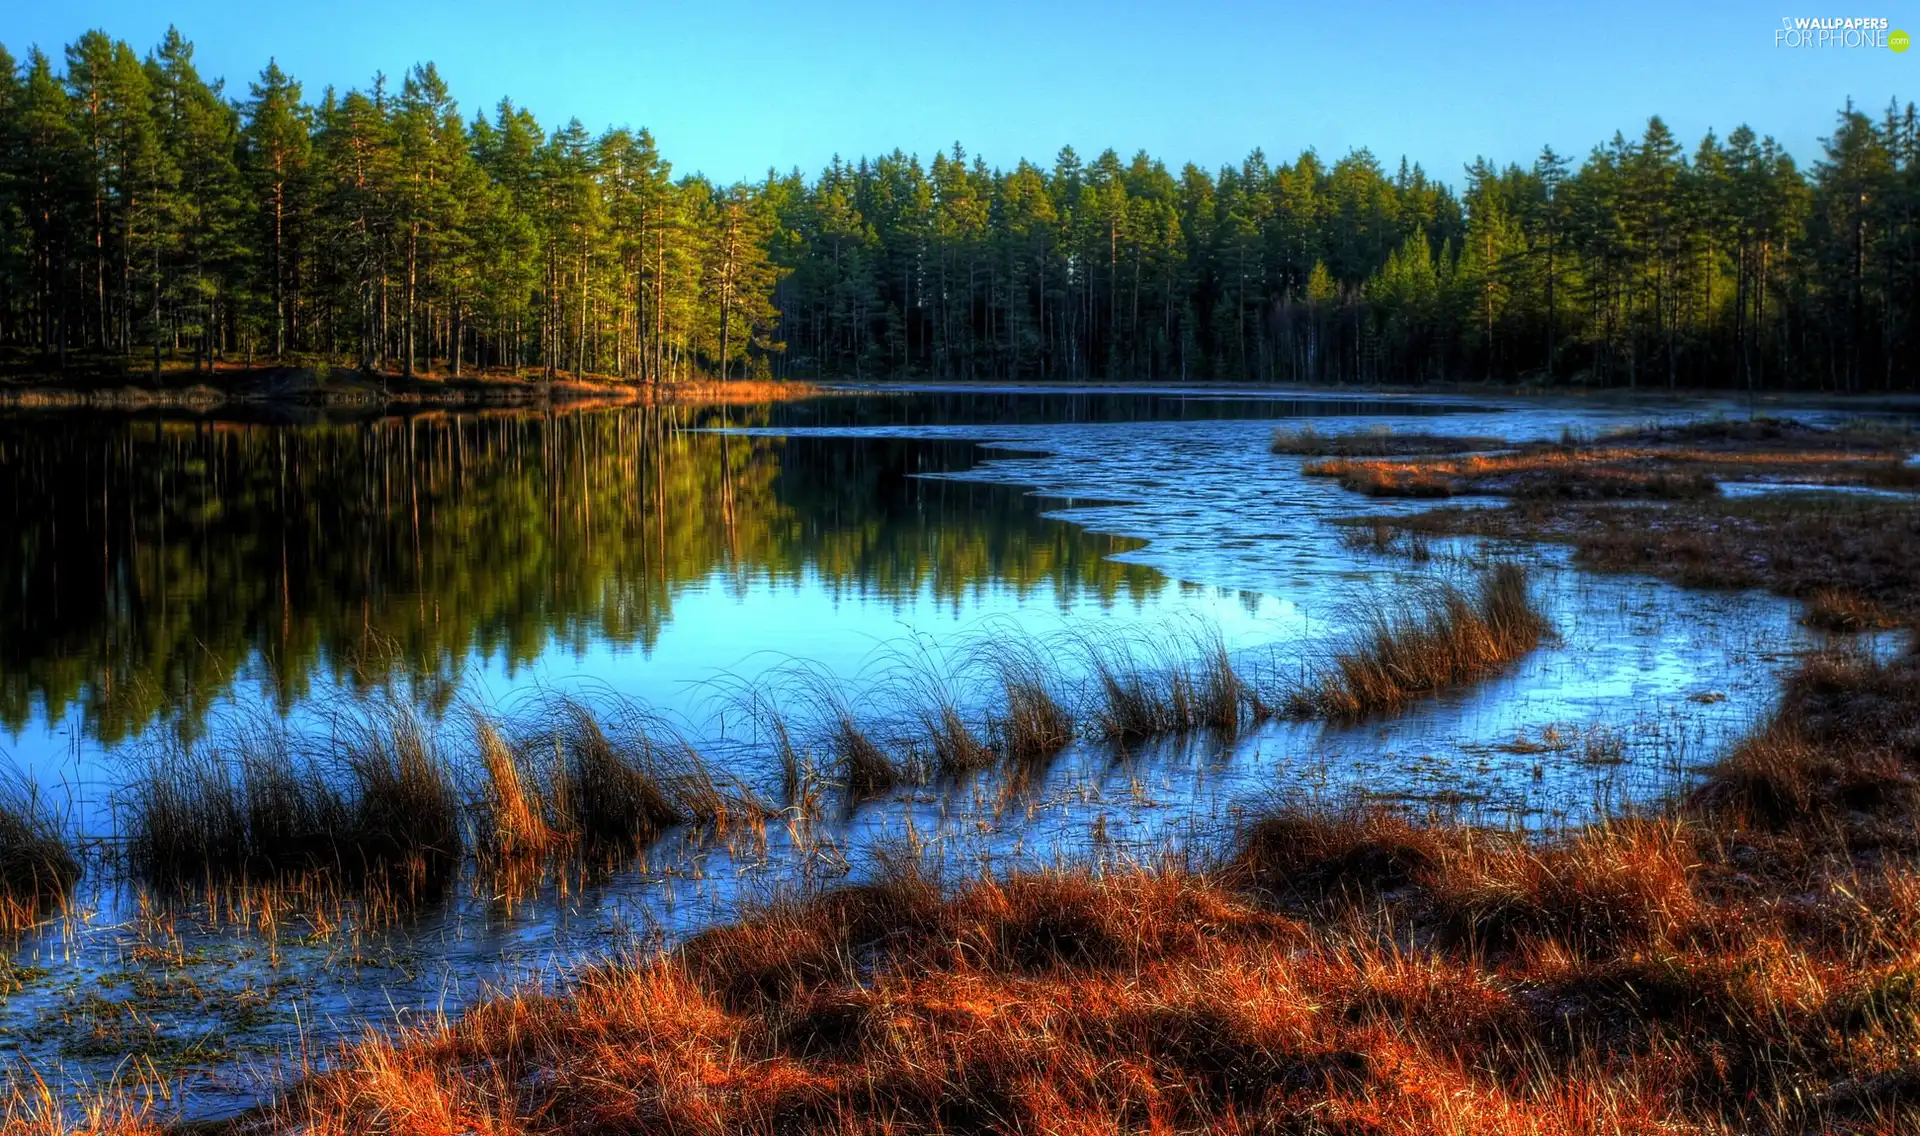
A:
{"points": [[611, 793], [1132, 704], [379, 810], [1842, 611], [1212, 695], [1449, 636], [38, 868], [406, 825], [930, 690], [1381, 535], [865, 767], [517, 812], [957, 748], [1032, 724]]}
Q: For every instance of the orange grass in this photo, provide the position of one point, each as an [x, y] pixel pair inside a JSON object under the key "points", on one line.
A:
{"points": [[1309, 442], [1601, 472], [1447, 637], [37, 868], [1746, 962], [1794, 544]]}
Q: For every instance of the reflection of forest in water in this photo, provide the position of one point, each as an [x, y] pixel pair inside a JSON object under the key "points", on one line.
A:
{"points": [[149, 562]]}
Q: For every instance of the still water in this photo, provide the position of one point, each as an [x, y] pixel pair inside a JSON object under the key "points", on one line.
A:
{"points": [[172, 579]]}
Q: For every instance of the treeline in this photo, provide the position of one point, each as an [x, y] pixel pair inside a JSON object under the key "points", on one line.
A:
{"points": [[147, 213]]}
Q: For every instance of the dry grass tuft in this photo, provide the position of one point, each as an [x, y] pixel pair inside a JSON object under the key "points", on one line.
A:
{"points": [[1217, 697], [1838, 610], [1380, 535], [384, 815], [865, 767], [37, 867], [406, 811], [957, 749], [1032, 724], [611, 797], [516, 811], [1449, 637]]}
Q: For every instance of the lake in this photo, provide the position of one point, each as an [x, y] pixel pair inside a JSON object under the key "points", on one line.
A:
{"points": [[175, 581]]}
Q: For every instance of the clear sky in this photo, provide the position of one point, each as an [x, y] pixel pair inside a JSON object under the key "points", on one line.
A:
{"points": [[731, 87]]}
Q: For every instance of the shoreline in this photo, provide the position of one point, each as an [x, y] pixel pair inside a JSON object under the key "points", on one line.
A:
{"points": [[278, 386], [303, 388]]}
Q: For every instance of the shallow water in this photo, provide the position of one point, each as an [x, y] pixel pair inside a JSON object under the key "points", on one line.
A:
{"points": [[179, 578]]}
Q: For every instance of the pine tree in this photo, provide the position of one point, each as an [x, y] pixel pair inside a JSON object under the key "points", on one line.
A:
{"points": [[274, 154]]}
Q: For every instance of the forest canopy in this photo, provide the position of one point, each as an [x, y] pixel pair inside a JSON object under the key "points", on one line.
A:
{"points": [[148, 213]]}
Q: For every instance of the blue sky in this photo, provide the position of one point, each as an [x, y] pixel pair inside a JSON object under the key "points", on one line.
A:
{"points": [[731, 87]]}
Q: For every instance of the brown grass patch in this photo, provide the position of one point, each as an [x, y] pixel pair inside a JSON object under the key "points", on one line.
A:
{"points": [[1446, 638], [1836, 609], [37, 867], [381, 814], [1309, 442], [1673, 463], [1794, 544]]}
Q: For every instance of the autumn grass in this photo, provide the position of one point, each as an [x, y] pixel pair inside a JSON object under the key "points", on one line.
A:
{"points": [[1031, 724], [1670, 463], [1851, 550], [1309, 442], [29, 1106], [1445, 637], [1380, 535], [611, 794], [866, 768], [372, 805], [518, 813], [381, 811], [1836, 609], [38, 868], [1175, 683], [1537, 473], [1848, 555], [1746, 960]]}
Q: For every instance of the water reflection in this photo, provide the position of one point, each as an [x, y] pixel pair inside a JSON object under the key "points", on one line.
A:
{"points": [[154, 561]]}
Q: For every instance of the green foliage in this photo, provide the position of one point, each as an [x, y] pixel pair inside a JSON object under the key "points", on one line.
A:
{"points": [[141, 208]]}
